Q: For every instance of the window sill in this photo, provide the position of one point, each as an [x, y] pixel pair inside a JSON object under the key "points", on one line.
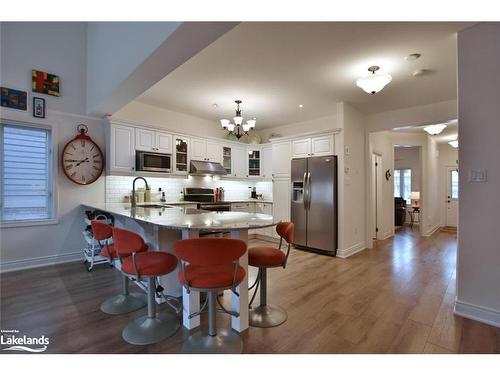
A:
{"points": [[28, 223]]}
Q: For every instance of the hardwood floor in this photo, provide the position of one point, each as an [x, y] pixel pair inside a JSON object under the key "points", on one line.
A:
{"points": [[395, 298]]}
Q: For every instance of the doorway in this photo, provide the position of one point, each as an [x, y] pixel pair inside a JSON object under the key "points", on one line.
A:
{"points": [[451, 197], [376, 195]]}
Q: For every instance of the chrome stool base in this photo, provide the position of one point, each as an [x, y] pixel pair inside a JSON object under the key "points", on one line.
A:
{"points": [[267, 316], [225, 342], [124, 303], [145, 330]]}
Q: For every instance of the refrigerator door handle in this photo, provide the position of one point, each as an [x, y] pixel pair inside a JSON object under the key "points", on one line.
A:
{"points": [[304, 189], [308, 188]]}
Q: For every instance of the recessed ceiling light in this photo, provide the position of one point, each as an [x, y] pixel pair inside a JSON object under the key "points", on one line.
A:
{"points": [[214, 106], [413, 57], [301, 105]]}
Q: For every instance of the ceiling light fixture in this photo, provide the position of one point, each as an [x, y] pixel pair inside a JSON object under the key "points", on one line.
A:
{"points": [[413, 57], [453, 144], [301, 105], [238, 128], [435, 129], [373, 83]]}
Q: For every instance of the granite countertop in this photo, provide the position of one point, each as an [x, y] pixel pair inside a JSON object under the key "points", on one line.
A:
{"points": [[249, 200], [187, 218]]}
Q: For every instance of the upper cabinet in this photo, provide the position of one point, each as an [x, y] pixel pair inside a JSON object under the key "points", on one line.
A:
{"points": [[314, 146], [122, 149], [239, 161], [267, 165], [181, 155], [281, 155], [254, 161], [204, 150], [151, 140]]}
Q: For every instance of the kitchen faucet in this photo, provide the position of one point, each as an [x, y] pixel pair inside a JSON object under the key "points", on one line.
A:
{"points": [[132, 200]]}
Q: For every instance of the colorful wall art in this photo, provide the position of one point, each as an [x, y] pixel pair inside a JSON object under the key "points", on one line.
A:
{"points": [[45, 83], [15, 99]]}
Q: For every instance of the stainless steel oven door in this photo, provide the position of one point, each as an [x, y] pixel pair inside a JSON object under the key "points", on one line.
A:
{"points": [[153, 162]]}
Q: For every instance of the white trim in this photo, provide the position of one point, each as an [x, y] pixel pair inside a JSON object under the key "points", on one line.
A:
{"points": [[431, 231], [345, 253], [480, 313], [387, 235], [16, 265], [306, 135]]}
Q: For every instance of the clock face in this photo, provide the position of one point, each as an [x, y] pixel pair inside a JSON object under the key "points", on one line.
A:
{"points": [[82, 161]]}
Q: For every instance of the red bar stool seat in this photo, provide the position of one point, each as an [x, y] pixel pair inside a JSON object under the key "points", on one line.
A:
{"points": [[211, 265], [265, 315], [153, 327], [125, 302]]}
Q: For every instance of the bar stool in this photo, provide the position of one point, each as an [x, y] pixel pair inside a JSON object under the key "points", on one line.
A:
{"points": [[265, 315], [140, 264], [211, 265], [125, 302]]}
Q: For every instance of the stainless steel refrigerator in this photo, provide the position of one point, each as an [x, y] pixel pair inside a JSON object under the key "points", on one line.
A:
{"points": [[314, 203]]}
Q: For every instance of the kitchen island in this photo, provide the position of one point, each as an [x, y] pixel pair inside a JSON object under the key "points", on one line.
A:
{"points": [[161, 225]]}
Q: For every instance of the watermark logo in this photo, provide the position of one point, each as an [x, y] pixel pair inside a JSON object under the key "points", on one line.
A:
{"points": [[12, 341]]}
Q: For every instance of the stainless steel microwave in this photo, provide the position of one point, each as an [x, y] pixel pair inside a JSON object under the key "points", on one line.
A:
{"points": [[152, 162]]}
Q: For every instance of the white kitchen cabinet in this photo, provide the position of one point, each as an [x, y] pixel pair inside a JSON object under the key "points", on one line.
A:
{"points": [[281, 155], [122, 149], [264, 208], [239, 161], [254, 161], [267, 162], [314, 146], [181, 155], [281, 200], [243, 207], [155, 141], [204, 150]]}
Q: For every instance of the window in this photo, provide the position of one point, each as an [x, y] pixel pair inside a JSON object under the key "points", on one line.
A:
{"points": [[26, 170], [454, 184], [402, 184]]}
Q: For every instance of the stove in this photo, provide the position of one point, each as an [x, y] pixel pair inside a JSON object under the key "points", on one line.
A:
{"points": [[205, 197]]}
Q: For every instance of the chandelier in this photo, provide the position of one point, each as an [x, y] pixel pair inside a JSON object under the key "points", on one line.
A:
{"points": [[238, 128], [373, 83]]}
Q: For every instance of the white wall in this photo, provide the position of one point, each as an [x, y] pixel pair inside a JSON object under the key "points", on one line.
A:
{"points": [[319, 124], [62, 55], [352, 172], [478, 269], [53, 47], [115, 49], [141, 113], [409, 157]]}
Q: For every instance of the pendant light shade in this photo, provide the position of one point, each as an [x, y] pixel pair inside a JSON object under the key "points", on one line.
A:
{"points": [[453, 144], [373, 83], [435, 129]]}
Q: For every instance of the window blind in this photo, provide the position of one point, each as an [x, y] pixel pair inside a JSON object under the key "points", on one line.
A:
{"points": [[26, 173]]}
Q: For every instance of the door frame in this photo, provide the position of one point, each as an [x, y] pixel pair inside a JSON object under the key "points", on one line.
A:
{"points": [[376, 190]]}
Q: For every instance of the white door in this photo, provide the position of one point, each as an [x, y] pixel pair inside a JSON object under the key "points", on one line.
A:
{"points": [[301, 148], [451, 196], [144, 140], [322, 146], [214, 151], [122, 149], [239, 161], [163, 142], [281, 200], [282, 154], [376, 196], [267, 162], [198, 149]]}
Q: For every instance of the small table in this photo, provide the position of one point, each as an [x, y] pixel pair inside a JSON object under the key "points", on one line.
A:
{"points": [[414, 210]]}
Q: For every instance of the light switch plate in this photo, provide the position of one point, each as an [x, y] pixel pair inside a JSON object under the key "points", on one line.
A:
{"points": [[347, 151], [478, 175]]}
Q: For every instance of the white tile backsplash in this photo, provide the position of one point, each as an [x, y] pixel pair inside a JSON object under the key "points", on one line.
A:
{"points": [[117, 187]]}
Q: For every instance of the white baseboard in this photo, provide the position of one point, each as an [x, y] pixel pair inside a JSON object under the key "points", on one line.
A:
{"points": [[387, 235], [344, 253], [479, 313], [16, 265], [431, 231]]}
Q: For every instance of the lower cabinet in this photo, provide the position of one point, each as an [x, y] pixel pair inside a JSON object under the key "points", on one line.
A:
{"points": [[281, 200], [264, 208]]}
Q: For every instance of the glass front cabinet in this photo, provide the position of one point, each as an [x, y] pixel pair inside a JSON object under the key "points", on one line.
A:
{"points": [[254, 158], [181, 162], [227, 159]]}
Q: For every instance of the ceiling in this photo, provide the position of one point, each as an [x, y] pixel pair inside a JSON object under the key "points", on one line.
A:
{"points": [[273, 67], [450, 133]]}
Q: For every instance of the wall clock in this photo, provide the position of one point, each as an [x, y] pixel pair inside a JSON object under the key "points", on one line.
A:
{"points": [[82, 159]]}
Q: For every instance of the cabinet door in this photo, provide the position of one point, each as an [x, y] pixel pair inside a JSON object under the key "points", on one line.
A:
{"points": [[301, 148], [163, 142], [239, 162], [198, 149], [122, 148], [322, 146], [145, 140], [238, 207], [227, 159], [181, 155], [254, 162], [267, 162], [214, 151], [281, 200], [282, 159]]}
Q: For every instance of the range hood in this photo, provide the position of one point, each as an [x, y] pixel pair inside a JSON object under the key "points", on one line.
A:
{"points": [[197, 167]]}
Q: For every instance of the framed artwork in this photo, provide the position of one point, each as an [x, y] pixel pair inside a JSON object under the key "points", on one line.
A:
{"points": [[45, 83], [38, 107], [15, 99]]}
